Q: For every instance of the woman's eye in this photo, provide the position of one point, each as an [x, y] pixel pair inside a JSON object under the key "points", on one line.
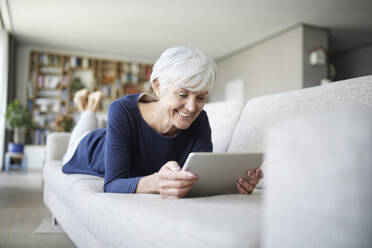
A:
{"points": [[201, 98], [182, 95]]}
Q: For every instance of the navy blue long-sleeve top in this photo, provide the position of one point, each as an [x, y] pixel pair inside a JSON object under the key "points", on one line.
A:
{"points": [[128, 148]]}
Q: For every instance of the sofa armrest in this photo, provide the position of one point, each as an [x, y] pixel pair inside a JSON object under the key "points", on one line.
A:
{"points": [[318, 177], [56, 145]]}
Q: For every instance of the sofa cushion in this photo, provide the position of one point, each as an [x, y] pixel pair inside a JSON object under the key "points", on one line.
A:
{"points": [[262, 113], [144, 220], [319, 180], [64, 184], [223, 117]]}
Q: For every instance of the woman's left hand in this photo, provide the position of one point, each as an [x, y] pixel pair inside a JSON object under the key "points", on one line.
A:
{"points": [[247, 187]]}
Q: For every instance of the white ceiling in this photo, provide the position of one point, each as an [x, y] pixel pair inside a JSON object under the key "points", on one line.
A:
{"points": [[144, 28]]}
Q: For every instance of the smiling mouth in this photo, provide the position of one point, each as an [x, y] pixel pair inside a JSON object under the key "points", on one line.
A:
{"points": [[184, 114]]}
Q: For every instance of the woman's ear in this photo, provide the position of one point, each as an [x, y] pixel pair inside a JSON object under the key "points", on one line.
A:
{"points": [[156, 88]]}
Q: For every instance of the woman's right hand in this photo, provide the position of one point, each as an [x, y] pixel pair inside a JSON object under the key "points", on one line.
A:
{"points": [[174, 183]]}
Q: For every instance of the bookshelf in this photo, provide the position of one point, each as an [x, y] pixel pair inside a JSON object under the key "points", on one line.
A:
{"points": [[49, 91]]}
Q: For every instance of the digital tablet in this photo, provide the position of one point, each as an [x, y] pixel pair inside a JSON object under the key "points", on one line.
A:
{"points": [[218, 172]]}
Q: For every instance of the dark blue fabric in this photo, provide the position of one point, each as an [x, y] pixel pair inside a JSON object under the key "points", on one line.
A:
{"points": [[128, 148]]}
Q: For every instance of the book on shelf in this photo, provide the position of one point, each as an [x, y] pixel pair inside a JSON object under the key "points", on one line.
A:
{"points": [[52, 82], [30, 105], [39, 119], [45, 59], [66, 65], [48, 81], [64, 80], [114, 92], [39, 136], [125, 68], [75, 61], [56, 60], [108, 79], [46, 105], [127, 78], [64, 94], [40, 81], [78, 62], [50, 70], [44, 119], [63, 109], [72, 103], [85, 63], [148, 72], [106, 90], [135, 79], [134, 68], [118, 84], [30, 90], [48, 93]]}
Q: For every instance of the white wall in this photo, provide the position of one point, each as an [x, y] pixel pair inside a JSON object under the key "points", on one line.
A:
{"points": [[4, 64], [22, 63], [271, 66]]}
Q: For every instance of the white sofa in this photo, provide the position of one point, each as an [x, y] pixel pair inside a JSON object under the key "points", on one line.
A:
{"points": [[92, 218]]}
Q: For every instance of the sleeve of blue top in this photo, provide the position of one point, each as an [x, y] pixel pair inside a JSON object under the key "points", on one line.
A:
{"points": [[117, 152]]}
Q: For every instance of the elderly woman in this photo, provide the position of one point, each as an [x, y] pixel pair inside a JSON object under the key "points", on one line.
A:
{"points": [[147, 139]]}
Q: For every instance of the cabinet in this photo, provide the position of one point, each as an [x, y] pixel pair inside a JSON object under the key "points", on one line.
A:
{"points": [[50, 91]]}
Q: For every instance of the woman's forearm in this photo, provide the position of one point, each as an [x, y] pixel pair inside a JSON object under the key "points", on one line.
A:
{"points": [[148, 184]]}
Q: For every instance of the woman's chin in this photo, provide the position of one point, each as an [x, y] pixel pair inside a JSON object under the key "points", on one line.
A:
{"points": [[182, 122], [183, 125]]}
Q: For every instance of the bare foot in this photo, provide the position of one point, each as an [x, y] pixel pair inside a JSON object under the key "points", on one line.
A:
{"points": [[81, 99], [94, 99]]}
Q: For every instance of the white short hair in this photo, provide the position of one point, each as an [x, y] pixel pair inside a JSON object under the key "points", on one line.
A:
{"points": [[188, 68]]}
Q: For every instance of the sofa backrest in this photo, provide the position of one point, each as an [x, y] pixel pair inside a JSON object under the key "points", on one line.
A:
{"points": [[261, 113], [223, 117]]}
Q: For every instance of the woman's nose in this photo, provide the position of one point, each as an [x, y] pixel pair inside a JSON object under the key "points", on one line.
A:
{"points": [[191, 106]]}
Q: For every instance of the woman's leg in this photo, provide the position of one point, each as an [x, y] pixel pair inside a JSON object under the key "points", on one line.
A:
{"points": [[87, 105], [87, 122]]}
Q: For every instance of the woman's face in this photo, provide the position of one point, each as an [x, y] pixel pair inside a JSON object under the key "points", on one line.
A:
{"points": [[182, 106]]}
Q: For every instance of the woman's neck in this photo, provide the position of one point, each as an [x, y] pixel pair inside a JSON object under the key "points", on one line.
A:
{"points": [[156, 119]]}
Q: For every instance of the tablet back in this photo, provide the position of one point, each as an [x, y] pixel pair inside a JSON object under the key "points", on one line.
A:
{"points": [[218, 172]]}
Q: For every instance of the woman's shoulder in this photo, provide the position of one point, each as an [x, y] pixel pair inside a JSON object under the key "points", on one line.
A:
{"points": [[123, 112], [127, 100], [125, 103]]}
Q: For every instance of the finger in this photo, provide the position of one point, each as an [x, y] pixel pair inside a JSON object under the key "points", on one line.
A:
{"points": [[259, 173], [241, 189], [176, 184], [178, 175], [254, 179], [250, 172], [173, 166], [246, 185], [175, 193]]}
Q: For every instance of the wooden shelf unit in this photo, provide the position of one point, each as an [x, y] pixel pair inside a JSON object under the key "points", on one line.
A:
{"points": [[49, 78]]}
